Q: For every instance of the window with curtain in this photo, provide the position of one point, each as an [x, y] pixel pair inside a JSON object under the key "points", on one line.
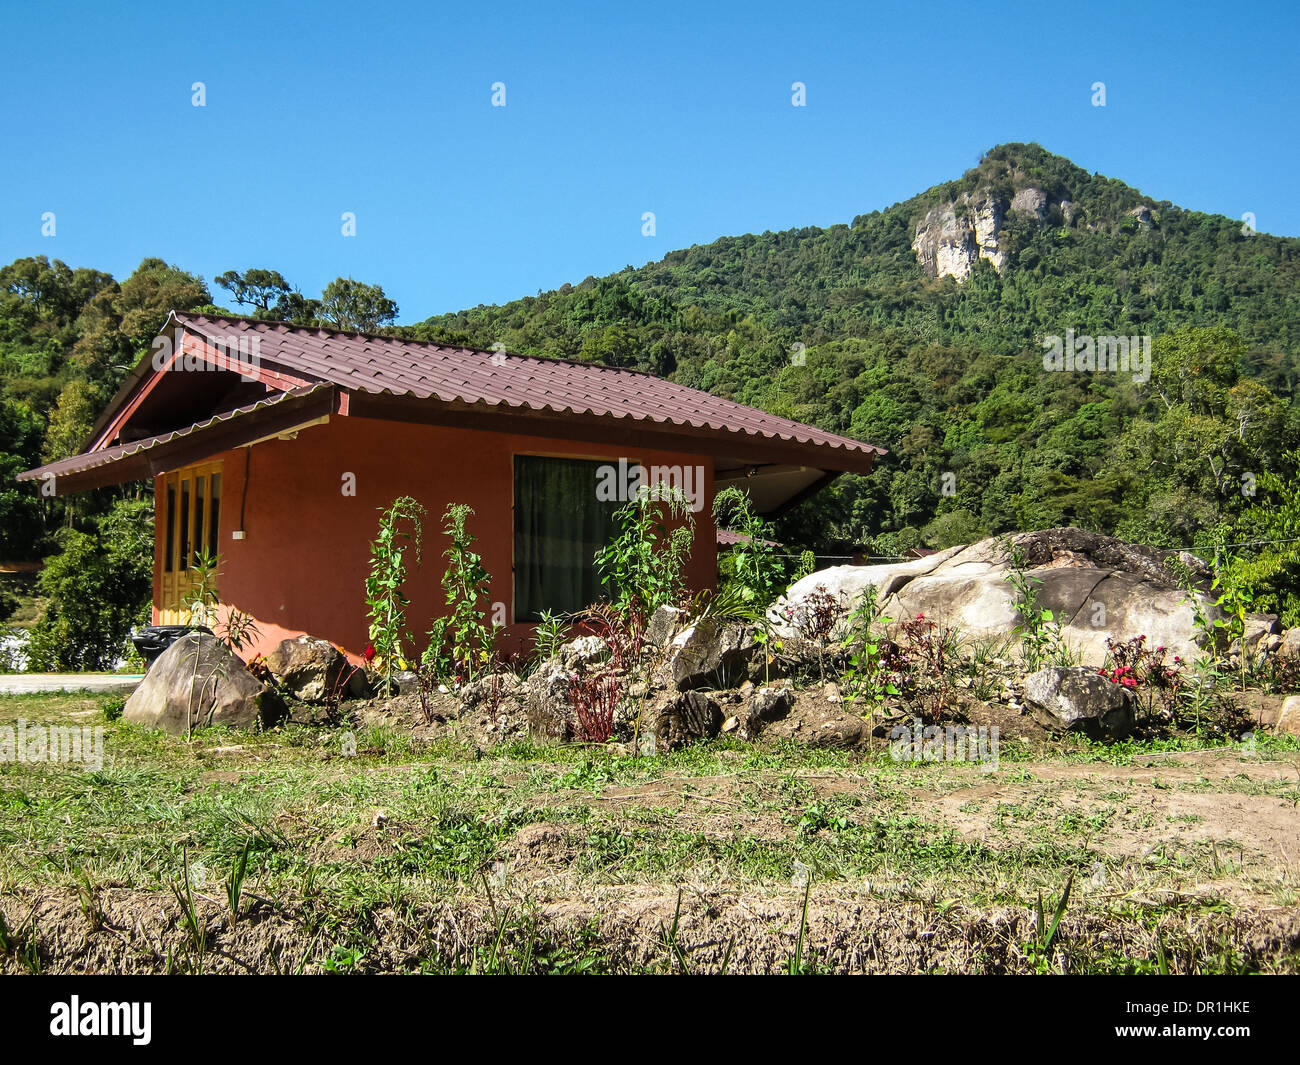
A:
{"points": [[559, 527]]}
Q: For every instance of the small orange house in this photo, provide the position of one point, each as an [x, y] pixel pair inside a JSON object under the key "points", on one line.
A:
{"points": [[275, 446]]}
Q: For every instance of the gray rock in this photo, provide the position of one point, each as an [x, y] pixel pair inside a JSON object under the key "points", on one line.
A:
{"points": [[710, 653], [770, 704], [1288, 719], [583, 652], [953, 236], [198, 682], [1080, 698], [308, 668], [1290, 644], [495, 686], [1030, 201], [361, 685], [663, 626], [406, 682], [547, 702], [1259, 627], [688, 717]]}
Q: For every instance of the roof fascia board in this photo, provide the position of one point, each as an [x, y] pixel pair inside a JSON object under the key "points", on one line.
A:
{"points": [[145, 377]]}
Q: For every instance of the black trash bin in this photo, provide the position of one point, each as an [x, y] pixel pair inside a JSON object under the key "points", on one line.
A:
{"points": [[153, 640]]}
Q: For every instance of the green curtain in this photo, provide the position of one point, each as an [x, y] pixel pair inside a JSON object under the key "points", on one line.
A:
{"points": [[559, 526]]}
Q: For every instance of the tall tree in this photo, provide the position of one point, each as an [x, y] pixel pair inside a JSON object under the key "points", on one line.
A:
{"points": [[352, 304]]}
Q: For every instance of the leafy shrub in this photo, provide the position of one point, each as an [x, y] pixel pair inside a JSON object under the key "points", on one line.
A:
{"points": [[751, 565], [96, 590], [400, 529], [643, 566], [1155, 681]]}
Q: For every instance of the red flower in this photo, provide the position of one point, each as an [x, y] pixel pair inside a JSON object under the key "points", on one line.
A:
{"points": [[369, 653]]}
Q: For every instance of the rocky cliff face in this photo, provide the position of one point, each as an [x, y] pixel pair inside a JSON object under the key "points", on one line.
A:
{"points": [[953, 236]]}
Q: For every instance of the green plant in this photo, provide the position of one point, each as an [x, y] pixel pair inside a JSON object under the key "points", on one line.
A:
{"points": [[751, 565], [797, 966], [1272, 529], [549, 635], [1040, 633], [191, 919], [806, 566], [1233, 602], [21, 944], [235, 882], [1038, 949], [643, 565], [460, 642], [94, 591], [400, 529], [867, 678], [88, 901]]}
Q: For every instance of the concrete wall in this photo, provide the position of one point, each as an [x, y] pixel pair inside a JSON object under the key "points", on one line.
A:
{"points": [[301, 567]]}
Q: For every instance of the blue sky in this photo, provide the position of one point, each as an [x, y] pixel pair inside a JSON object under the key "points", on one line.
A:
{"points": [[611, 111]]}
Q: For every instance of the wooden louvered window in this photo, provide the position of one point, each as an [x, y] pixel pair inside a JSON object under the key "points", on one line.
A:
{"points": [[188, 511]]}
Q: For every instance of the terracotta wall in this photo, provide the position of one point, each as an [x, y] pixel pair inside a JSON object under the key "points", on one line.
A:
{"points": [[302, 565]]}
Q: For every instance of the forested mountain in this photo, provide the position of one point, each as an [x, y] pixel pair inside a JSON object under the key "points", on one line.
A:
{"points": [[949, 374], [920, 327]]}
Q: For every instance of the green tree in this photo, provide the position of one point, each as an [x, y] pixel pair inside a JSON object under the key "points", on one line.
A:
{"points": [[354, 305], [95, 590]]}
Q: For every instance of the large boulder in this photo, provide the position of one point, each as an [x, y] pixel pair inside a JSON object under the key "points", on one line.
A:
{"points": [[1290, 645], [198, 682], [1097, 587], [710, 653], [1288, 718], [309, 669], [1077, 697]]}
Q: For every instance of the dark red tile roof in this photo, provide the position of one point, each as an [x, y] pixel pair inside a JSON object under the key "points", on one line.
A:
{"points": [[118, 452], [389, 365]]}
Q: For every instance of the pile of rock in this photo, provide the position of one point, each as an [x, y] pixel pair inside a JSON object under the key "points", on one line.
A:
{"points": [[199, 682]]}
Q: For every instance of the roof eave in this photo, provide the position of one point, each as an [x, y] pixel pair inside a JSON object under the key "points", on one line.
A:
{"points": [[142, 459]]}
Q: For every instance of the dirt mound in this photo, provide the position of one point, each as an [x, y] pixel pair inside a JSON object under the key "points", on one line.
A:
{"points": [[625, 930]]}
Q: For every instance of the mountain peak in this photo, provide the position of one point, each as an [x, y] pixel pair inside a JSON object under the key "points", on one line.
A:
{"points": [[961, 222]]}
